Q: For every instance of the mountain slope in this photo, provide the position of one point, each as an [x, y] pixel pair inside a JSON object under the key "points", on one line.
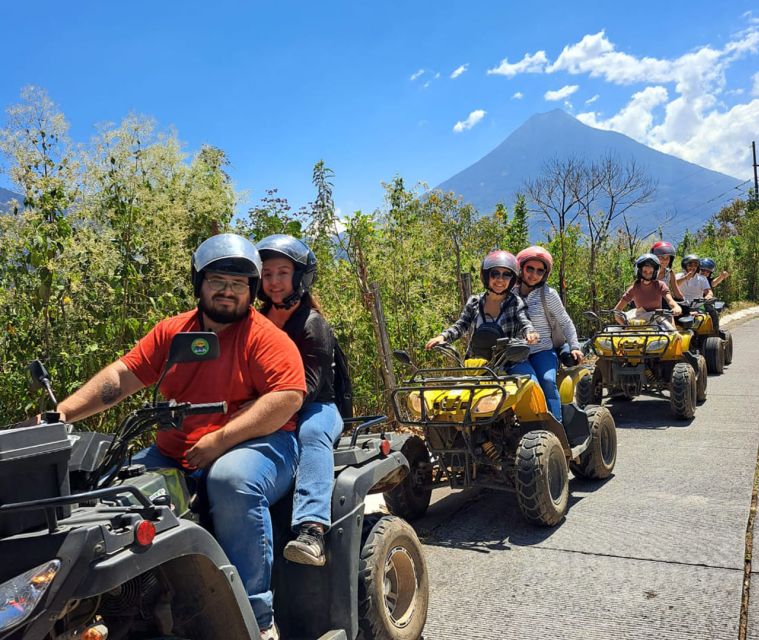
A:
{"points": [[683, 189]]}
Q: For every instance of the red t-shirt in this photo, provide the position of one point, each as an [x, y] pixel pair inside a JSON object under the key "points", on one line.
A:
{"points": [[646, 296], [255, 358]]}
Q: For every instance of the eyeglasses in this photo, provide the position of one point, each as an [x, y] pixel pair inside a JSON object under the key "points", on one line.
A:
{"points": [[536, 270], [500, 275], [217, 284]]}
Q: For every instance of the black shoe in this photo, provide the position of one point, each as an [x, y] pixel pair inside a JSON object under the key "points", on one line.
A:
{"points": [[308, 547]]}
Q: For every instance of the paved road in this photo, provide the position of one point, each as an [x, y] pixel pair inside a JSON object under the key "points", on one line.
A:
{"points": [[657, 551]]}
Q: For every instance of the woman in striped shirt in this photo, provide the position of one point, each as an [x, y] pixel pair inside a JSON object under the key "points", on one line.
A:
{"points": [[535, 264], [498, 305]]}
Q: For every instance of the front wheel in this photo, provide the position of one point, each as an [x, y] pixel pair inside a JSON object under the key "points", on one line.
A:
{"points": [[542, 478], [598, 460], [589, 389], [393, 587], [682, 391], [701, 379], [410, 498]]}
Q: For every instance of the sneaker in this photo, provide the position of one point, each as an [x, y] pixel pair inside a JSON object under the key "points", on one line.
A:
{"points": [[271, 633], [308, 547]]}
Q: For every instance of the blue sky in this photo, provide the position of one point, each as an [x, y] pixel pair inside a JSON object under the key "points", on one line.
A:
{"points": [[368, 87]]}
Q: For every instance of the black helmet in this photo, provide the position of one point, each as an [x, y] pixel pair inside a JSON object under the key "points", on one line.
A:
{"points": [[708, 264], [691, 257], [227, 253], [284, 246], [646, 259]]}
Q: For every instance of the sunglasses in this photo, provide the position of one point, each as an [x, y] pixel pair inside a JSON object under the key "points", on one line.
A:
{"points": [[500, 275], [536, 270]]}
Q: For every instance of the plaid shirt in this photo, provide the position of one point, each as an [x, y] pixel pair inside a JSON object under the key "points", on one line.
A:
{"points": [[512, 318]]}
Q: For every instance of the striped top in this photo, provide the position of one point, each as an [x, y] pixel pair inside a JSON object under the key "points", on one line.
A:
{"points": [[540, 322]]}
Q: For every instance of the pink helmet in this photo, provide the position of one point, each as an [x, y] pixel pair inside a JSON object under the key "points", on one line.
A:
{"points": [[497, 258], [536, 253]]}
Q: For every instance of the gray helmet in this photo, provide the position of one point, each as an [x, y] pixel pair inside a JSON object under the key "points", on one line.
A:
{"points": [[227, 253], [647, 259], [304, 276]]}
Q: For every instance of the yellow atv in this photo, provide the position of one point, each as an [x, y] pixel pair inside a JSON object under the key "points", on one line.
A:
{"points": [[484, 427], [709, 339], [645, 357]]}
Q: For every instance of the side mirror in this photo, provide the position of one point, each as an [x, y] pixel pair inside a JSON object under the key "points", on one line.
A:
{"points": [[403, 357], [41, 379], [39, 374], [193, 346]]}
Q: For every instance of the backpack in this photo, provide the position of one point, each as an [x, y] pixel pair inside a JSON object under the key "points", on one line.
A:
{"points": [[342, 384]]}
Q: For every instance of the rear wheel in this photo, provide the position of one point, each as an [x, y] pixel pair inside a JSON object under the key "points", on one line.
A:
{"points": [[542, 478], [682, 391], [393, 588], [597, 461], [410, 498], [701, 379], [714, 352], [728, 347], [589, 389]]}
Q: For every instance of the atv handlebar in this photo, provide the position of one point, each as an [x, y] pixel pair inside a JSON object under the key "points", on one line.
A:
{"points": [[205, 408]]}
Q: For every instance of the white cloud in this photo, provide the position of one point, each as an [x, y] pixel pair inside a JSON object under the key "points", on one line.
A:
{"points": [[415, 76], [459, 70], [679, 109], [517, 96], [593, 99], [534, 63], [472, 119], [437, 76], [636, 118], [560, 94]]}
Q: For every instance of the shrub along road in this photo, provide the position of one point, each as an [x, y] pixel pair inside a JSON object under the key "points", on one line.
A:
{"points": [[657, 551]]}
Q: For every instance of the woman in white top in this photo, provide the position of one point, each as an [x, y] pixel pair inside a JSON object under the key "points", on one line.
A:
{"points": [[547, 315], [692, 284]]}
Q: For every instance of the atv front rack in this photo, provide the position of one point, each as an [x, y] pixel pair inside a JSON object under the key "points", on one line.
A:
{"points": [[625, 333], [467, 385]]}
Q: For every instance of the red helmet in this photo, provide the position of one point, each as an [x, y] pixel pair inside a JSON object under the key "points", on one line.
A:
{"points": [[497, 258], [536, 253], [663, 248]]}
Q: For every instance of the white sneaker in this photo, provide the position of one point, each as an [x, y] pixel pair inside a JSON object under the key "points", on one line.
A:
{"points": [[272, 633]]}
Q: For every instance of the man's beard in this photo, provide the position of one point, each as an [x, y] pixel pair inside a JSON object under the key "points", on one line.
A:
{"points": [[222, 317]]}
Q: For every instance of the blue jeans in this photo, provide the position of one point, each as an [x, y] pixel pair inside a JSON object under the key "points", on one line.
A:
{"points": [[320, 426], [545, 364], [241, 485]]}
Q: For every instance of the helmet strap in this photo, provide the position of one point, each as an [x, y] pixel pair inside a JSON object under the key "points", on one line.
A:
{"points": [[289, 302]]}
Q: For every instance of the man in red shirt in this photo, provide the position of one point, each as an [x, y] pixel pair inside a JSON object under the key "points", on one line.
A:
{"points": [[250, 452]]}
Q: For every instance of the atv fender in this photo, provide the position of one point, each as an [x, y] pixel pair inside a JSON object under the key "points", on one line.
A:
{"points": [[691, 359], [186, 553], [351, 488]]}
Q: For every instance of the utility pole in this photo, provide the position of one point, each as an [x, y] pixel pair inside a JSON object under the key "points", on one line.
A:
{"points": [[756, 179]]}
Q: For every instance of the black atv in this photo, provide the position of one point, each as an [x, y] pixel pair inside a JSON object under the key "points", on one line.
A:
{"points": [[94, 548]]}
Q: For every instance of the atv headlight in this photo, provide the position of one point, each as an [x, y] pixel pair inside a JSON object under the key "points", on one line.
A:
{"points": [[485, 405], [20, 595], [414, 403], [656, 346], [604, 344]]}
